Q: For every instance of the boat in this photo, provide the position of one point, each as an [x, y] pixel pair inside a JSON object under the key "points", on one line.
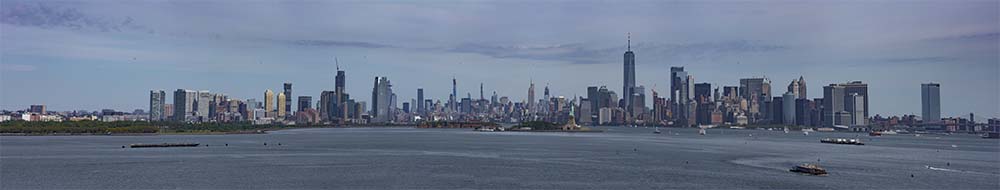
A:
{"points": [[786, 130], [657, 130], [991, 135], [875, 133], [808, 169], [841, 141], [701, 131], [161, 145]]}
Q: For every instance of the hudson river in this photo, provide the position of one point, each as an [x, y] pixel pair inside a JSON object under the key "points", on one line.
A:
{"points": [[619, 158]]}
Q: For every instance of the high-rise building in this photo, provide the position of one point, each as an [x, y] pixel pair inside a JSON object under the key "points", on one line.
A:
{"points": [[305, 102], [382, 100], [854, 105], [421, 108], [930, 102], [629, 76], [702, 92], [860, 88], [269, 103], [798, 88], [757, 91], [680, 90], [287, 101], [157, 100], [833, 102], [788, 108], [204, 105], [531, 98], [281, 105], [184, 104]]}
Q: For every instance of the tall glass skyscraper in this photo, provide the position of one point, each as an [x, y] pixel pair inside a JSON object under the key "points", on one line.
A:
{"points": [[629, 81], [930, 96]]}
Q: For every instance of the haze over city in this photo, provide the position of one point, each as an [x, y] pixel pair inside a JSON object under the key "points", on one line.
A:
{"points": [[72, 55]]}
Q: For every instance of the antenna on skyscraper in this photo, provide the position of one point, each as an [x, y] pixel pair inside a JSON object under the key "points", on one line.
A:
{"points": [[629, 41], [336, 61]]}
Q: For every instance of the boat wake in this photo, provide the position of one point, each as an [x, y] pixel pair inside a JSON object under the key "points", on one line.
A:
{"points": [[959, 171]]}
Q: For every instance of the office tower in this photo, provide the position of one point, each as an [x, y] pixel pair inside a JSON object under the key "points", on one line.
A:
{"points": [[777, 110], [930, 102], [481, 92], [382, 100], [803, 112], [203, 105], [629, 74], [702, 92], [730, 92], [833, 103], [678, 79], [638, 101], [338, 100], [184, 104], [421, 107], [798, 88], [157, 99], [305, 102], [531, 98], [406, 107], [854, 105], [286, 100], [857, 87], [788, 107], [327, 105], [757, 91], [269, 103]]}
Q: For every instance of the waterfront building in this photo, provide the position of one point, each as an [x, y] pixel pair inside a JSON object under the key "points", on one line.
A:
{"points": [[157, 101], [854, 105], [833, 103], [930, 102]]}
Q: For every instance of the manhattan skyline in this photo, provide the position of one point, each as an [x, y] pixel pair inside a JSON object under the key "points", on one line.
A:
{"points": [[94, 55]]}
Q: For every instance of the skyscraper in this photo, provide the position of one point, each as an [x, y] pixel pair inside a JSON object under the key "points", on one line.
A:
{"points": [[860, 88], [930, 101], [305, 102], [833, 103], [338, 104], [629, 81], [281, 106], [702, 92], [287, 100], [531, 98], [269, 103], [420, 101], [157, 101], [382, 100], [184, 104], [788, 108], [854, 106]]}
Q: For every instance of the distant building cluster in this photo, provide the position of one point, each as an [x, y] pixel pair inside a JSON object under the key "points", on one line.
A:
{"points": [[688, 103]]}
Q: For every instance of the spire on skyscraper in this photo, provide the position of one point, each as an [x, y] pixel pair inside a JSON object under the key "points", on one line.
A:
{"points": [[629, 41]]}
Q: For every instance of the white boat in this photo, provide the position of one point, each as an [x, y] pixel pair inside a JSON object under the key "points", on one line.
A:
{"points": [[657, 130], [786, 129], [701, 131]]}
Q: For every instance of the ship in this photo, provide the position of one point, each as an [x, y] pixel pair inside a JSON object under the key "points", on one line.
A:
{"points": [[657, 130], [808, 169], [841, 141]]}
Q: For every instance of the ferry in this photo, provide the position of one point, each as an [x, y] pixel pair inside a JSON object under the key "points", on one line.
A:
{"points": [[809, 169], [842, 141]]}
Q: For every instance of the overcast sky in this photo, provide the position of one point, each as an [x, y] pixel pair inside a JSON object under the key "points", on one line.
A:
{"points": [[109, 54]]}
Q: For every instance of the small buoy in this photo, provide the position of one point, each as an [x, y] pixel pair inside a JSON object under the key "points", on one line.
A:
{"points": [[123, 146], [685, 162], [949, 163], [265, 144], [911, 175], [227, 144], [279, 144], [635, 150]]}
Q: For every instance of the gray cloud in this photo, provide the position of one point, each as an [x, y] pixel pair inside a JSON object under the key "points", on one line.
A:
{"points": [[47, 16], [933, 59], [333, 43], [581, 54]]}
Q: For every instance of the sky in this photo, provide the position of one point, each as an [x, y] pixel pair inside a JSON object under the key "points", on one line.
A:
{"points": [[90, 55]]}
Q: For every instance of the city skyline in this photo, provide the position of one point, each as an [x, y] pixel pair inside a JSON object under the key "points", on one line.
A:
{"points": [[505, 63]]}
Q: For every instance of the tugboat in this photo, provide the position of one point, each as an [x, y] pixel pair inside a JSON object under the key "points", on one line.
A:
{"points": [[875, 133], [163, 145], [812, 169], [842, 141]]}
